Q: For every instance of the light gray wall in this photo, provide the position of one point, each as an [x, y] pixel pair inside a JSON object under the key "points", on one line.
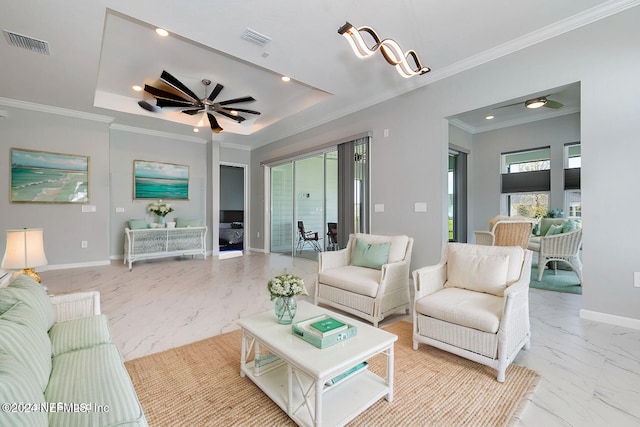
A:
{"points": [[484, 181], [65, 225], [129, 146], [410, 164]]}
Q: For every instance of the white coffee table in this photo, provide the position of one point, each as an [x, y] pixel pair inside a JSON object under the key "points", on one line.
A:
{"points": [[296, 383]]}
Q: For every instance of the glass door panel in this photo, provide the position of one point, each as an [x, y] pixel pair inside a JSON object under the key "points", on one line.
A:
{"points": [[308, 205], [282, 208]]}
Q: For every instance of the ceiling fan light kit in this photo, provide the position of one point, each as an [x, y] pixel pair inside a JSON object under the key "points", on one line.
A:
{"points": [[389, 48], [535, 103], [189, 103]]}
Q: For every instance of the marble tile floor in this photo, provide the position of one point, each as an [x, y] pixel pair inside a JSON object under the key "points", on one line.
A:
{"points": [[590, 371]]}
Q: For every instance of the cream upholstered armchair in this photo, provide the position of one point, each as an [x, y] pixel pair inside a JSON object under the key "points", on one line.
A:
{"points": [[369, 278], [506, 231], [475, 303]]}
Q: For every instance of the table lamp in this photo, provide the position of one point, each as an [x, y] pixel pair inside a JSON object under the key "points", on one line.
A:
{"points": [[25, 251]]}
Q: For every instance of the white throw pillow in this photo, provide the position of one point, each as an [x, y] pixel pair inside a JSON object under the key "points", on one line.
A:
{"points": [[480, 273]]}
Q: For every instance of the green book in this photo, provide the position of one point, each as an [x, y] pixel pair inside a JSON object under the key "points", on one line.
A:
{"points": [[328, 326]]}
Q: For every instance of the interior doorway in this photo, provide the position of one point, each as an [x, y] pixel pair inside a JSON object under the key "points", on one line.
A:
{"points": [[233, 203]]}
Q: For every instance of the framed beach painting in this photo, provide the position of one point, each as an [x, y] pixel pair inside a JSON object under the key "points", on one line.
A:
{"points": [[44, 177], [156, 180]]}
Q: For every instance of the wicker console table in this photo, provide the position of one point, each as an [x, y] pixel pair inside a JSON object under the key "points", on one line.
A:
{"points": [[149, 243]]}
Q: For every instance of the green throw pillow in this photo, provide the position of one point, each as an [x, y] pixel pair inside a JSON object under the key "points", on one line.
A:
{"points": [[370, 255], [570, 225], [554, 229], [136, 224], [182, 222]]}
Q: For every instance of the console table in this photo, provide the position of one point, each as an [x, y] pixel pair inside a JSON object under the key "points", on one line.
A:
{"points": [[149, 243]]}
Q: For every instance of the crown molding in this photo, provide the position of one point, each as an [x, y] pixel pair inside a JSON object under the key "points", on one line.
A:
{"points": [[235, 146], [55, 110], [162, 134]]}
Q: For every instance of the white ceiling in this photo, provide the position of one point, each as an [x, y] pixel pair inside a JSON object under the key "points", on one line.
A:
{"points": [[100, 48]]}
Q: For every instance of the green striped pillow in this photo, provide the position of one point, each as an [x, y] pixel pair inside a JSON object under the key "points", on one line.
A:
{"points": [[96, 375], [22, 337], [84, 332], [17, 386], [27, 290]]}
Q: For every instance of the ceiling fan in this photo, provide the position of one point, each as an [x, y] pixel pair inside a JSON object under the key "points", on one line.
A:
{"points": [[533, 103], [180, 96]]}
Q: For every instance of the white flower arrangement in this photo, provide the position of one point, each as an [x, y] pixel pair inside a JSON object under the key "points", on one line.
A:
{"points": [[160, 209], [286, 285]]}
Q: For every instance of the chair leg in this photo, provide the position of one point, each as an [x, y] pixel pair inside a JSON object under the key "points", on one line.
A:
{"points": [[542, 261]]}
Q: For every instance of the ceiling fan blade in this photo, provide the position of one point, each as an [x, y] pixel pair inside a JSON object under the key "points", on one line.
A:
{"points": [[144, 104], [553, 104], [163, 94], [215, 127], [177, 84], [236, 118], [170, 103], [238, 100], [193, 111], [241, 110], [509, 105], [215, 92]]}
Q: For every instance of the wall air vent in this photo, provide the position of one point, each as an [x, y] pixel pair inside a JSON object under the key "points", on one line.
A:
{"points": [[255, 37], [25, 42]]}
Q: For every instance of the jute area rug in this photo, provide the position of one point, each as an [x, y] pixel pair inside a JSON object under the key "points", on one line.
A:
{"points": [[199, 385]]}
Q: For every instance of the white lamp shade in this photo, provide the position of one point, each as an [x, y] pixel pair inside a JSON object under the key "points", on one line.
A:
{"points": [[25, 249]]}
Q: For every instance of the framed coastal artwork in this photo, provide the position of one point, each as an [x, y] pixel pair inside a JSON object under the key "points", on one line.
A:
{"points": [[156, 180], [44, 177]]}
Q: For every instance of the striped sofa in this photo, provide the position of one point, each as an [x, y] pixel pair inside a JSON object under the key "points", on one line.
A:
{"points": [[58, 366]]}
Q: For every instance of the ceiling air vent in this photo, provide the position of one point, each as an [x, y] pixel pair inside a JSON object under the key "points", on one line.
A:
{"points": [[25, 42], [255, 37]]}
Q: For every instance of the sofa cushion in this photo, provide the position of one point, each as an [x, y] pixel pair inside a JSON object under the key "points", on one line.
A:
{"points": [[398, 247], [534, 244], [370, 255], [137, 224], [23, 338], [84, 332], [30, 292], [186, 222], [462, 307], [569, 226], [515, 255], [554, 229], [545, 223], [97, 376], [17, 386], [359, 280]]}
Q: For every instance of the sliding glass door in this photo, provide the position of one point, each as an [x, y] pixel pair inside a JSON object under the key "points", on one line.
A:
{"points": [[303, 201], [311, 194]]}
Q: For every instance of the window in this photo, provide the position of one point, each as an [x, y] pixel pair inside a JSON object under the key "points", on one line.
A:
{"points": [[572, 192], [526, 182]]}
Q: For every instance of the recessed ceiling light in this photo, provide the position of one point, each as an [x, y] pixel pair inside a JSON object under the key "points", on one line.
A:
{"points": [[162, 32], [489, 117], [137, 88], [285, 78], [196, 130]]}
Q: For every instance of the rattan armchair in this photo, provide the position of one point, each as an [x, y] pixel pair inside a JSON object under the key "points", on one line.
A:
{"points": [[564, 247], [506, 231]]}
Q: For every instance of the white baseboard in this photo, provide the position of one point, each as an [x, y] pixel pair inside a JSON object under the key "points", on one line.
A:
{"points": [[229, 254], [611, 319], [75, 265]]}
